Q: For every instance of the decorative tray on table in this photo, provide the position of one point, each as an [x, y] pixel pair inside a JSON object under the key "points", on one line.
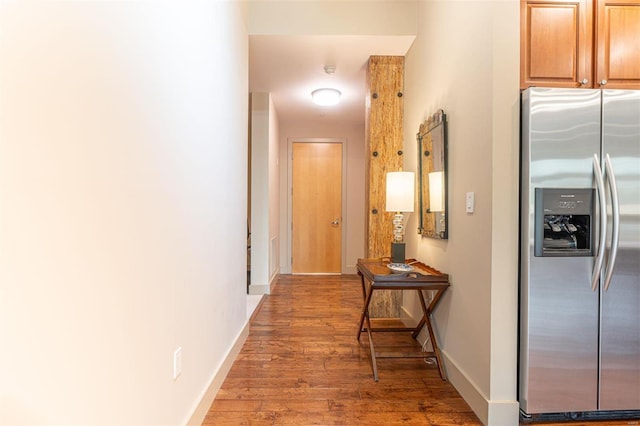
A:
{"points": [[399, 268]]}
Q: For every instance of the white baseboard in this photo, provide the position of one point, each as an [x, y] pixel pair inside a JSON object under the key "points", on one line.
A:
{"points": [[478, 402], [407, 318], [490, 413], [202, 408], [272, 280], [503, 413], [350, 269], [259, 289], [264, 288]]}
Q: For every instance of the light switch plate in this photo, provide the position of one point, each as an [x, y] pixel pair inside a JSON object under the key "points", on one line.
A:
{"points": [[470, 202]]}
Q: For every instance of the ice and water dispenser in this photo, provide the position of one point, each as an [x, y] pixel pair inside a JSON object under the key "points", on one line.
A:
{"points": [[564, 222]]}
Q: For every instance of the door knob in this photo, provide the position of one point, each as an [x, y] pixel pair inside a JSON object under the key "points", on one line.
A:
{"points": [[584, 81], [336, 222], [603, 82]]}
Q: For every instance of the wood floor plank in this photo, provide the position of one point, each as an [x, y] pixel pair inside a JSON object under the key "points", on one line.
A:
{"points": [[302, 365]]}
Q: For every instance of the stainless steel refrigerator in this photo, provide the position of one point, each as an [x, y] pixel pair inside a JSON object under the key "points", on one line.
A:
{"points": [[579, 340]]}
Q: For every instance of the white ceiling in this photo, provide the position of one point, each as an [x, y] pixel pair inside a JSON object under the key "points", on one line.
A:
{"points": [[291, 67]]}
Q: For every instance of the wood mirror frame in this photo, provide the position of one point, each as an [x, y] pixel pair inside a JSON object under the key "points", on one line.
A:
{"points": [[432, 176]]}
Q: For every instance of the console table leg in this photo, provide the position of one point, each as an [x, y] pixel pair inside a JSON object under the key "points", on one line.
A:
{"points": [[365, 314], [432, 337], [372, 350]]}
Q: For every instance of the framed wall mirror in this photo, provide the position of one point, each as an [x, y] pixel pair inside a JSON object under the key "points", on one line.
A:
{"points": [[432, 176]]}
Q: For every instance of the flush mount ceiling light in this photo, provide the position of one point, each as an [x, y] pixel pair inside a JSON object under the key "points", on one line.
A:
{"points": [[326, 97]]}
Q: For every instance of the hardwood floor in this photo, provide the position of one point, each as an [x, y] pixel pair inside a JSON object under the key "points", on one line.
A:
{"points": [[302, 365]]}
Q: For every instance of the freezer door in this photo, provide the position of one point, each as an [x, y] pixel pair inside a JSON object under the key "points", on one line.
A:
{"points": [[558, 309], [620, 324]]}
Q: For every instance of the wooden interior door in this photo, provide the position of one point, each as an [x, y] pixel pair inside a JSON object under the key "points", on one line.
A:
{"points": [[316, 208]]}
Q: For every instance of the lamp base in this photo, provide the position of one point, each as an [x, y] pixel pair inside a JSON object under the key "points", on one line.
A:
{"points": [[397, 253]]}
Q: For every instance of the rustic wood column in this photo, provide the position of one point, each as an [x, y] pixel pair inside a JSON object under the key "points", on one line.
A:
{"points": [[383, 152]]}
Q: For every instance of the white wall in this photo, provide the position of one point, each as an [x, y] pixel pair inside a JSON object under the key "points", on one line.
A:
{"points": [[264, 193], [465, 61], [274, 192], [122, 186], [354, 239]]}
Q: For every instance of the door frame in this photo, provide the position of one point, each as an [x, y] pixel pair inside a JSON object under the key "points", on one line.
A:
{"points": [[343, 189]]}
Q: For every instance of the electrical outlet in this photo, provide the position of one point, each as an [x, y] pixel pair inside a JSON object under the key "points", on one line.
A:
{"points": [[177, 362]]}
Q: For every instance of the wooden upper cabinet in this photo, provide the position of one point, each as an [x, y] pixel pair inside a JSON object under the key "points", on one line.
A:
{"points": [[557, 47], [556, 43], [618, 44]]}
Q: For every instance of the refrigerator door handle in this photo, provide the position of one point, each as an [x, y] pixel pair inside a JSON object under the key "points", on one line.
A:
{"points": [[603, 222], [615, 228]]}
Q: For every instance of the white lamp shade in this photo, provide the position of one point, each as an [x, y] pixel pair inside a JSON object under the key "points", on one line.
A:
{"points": [[400, 192], [436, 191], [326, 97]]}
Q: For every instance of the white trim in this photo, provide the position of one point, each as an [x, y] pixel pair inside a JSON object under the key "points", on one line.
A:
{"points": [[272, 279], [350, 270], [209, 394], [503, 413], [343, 237], [264, 288], [316, 273], [407, 318], [259, 289], [466, 387], [498, 413]]}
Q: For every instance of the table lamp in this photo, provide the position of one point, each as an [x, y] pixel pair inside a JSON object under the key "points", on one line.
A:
{"points": [[400, 196]]}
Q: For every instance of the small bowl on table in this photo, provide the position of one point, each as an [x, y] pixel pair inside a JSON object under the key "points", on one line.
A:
{"points": [[399, 268]]}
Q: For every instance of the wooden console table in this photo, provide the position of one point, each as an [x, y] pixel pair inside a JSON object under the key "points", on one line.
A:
{"points": [[375, 275]]}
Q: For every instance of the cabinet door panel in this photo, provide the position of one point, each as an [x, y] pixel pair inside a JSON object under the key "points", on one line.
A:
{"points": [[553, 48], [555, 43], [618, 43]]}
